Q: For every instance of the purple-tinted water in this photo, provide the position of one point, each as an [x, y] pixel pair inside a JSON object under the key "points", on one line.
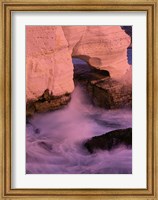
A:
{"points": [[56, 148]]}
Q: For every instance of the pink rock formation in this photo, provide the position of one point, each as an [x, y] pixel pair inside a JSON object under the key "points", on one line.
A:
{"points": [[50, 50], [73, 35], [103, 47], [48, 62]]}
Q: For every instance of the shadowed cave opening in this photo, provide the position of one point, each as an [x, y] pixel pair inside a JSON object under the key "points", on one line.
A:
{"points": [[85, 72], [89, 79], [103, 91]]}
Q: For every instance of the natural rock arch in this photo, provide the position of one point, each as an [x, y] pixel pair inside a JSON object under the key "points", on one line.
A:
{"points": [[50, 50]]}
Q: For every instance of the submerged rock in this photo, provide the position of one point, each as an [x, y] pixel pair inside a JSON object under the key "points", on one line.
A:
{"points": [[45, 145], [37, 131], [110, 140]]}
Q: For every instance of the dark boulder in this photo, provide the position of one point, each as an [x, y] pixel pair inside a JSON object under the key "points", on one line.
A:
{"points": [[104, 91], [47, 102], [110, 140], [110, 94]]}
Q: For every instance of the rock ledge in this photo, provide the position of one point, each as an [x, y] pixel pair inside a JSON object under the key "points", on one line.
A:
{"points": [[110, 140]]}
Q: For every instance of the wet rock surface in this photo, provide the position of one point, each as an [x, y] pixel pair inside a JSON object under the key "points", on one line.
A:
{"points": [[110, 140], [47, 102], [104, 91], [110, 94]]}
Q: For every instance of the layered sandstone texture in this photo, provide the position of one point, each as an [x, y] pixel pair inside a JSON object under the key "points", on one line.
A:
{"points": [[49, 52]]}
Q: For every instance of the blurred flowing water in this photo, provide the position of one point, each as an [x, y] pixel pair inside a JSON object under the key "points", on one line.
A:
{"points": [[54, 140]]}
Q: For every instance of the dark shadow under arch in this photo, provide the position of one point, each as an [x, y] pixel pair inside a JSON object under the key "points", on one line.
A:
{"points": [[84, 71]]}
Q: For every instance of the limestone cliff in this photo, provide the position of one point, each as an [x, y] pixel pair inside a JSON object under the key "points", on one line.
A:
{"points": [[48, 62], [49, 52], [103, 47]]}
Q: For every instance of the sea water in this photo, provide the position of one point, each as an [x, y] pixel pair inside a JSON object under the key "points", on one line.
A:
{"points": [[54, 140]]}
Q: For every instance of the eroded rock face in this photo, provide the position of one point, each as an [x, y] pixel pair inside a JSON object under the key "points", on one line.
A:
{"points": [[128, 30], [49, 52], [73, 35], [105, 48], [48, 61], [110, 140]]}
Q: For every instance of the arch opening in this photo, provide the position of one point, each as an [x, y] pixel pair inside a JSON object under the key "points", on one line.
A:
{"points": [[83, 71]]}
